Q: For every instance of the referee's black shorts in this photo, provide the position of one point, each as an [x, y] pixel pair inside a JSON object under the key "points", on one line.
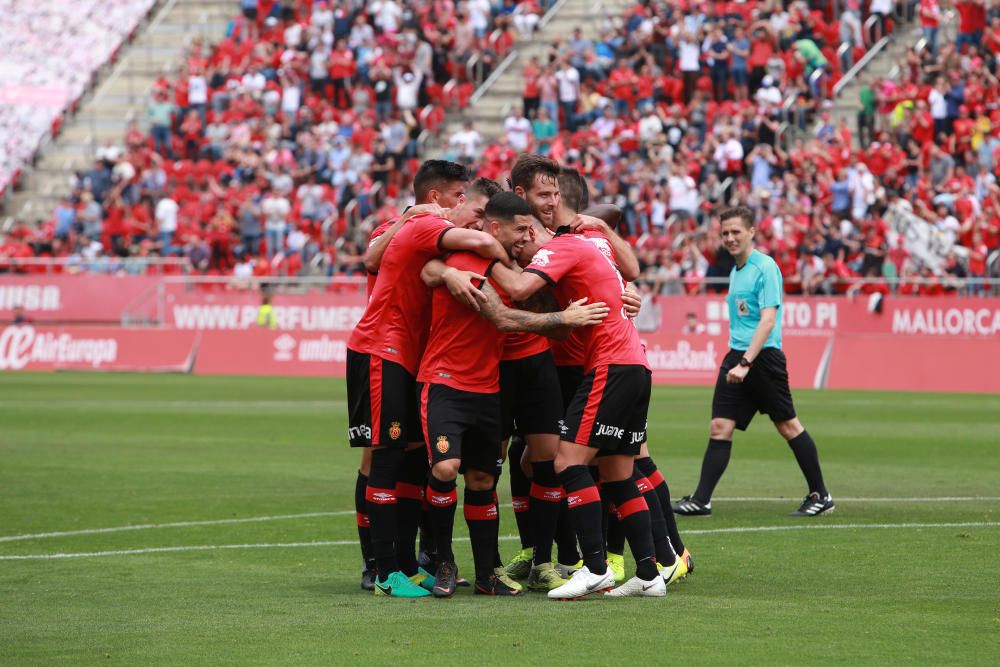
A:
{"points": [[764, 390], [530, 396]]}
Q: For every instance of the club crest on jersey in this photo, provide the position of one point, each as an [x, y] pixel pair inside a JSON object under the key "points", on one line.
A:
{"points": [[741, 307], [442, 444], [395, 430], [541, 257]]}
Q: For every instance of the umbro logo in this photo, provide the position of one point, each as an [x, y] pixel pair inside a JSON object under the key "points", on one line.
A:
{"points": [[552, 495], [440, 500]]}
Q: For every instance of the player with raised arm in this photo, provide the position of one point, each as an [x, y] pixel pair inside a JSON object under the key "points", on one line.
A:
{"points": [[382, 360], [460, 396], [753, 376]]}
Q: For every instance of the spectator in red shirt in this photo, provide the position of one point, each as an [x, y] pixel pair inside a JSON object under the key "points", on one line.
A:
{"points": [[971, 22]]}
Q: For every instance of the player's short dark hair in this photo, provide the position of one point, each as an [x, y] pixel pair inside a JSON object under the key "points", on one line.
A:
{"points": [[745, 215], [573, 189], [483, 186], [506, 205], [435, 174], [528, 166]]}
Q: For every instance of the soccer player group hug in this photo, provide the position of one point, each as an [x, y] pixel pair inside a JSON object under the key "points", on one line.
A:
{"points": [[501, 318]]}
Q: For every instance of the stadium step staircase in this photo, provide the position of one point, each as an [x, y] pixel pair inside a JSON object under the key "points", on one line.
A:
{"points": [[120, 96], [500, 95], [887, 63]]}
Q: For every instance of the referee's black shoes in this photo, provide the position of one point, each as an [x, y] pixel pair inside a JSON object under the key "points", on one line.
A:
{"points": [[814, 505], [688, 506]]}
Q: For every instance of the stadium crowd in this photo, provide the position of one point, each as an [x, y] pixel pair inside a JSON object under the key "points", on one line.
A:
{"points": [[275, 150]]}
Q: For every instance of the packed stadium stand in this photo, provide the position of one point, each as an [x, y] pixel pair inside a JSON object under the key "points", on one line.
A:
{"points": [[272, 147]]}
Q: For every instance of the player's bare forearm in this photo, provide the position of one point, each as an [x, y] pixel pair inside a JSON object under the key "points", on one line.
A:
{"points": [[373, 255], [517, 284], [768, 317], [432, 273], [628, 263]]}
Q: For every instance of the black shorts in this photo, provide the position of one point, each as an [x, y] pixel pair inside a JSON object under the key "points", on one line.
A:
{"points": [[530, 397], [609, 410], [764, 390], [570, 378], [461, 425], [250, 13], [382, 407]]}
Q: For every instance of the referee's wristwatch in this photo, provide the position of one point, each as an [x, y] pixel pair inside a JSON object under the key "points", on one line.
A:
{"points": [[746, 363]]}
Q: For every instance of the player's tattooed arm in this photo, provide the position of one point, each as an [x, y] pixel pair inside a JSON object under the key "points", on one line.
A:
{"points": [[556, 325], [373, 255]]}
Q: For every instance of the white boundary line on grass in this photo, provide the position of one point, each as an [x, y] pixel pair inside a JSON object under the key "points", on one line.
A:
{"points": [[312, 515], [342, 543], [176, 524]]}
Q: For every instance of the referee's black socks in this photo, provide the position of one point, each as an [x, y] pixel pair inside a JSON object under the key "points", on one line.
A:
{"points": [[712, 466], [584, 509], [805, 453]]}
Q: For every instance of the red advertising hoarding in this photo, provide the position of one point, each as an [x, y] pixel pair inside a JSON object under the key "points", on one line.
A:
{"points": [[72, 299]]}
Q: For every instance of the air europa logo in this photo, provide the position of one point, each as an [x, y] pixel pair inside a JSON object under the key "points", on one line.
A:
{"points": [[23, 345]]}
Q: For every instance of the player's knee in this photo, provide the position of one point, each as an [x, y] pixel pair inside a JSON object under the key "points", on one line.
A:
{"points": [[477, 480], [721, 429], [446, 471], [790, 428]]}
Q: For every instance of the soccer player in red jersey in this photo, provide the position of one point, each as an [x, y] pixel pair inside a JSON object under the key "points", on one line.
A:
{"points": [[439, 186], [383, 355], [538, 180], [460, 397], [666, 537], [607, 414]]}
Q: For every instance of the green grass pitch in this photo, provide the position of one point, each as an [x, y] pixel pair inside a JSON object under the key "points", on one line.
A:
{"points": [[905, 571]]}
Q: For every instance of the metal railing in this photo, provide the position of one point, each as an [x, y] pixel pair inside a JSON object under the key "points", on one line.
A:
{"points": [[104, 264]]}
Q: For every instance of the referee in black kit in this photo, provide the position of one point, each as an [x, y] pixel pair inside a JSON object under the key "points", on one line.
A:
{"points": [[753, 377]]}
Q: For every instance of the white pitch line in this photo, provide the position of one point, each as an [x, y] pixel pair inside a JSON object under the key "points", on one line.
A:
{"points": [[940, 499], [177, 524], [310, 515], [343, 543]]}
